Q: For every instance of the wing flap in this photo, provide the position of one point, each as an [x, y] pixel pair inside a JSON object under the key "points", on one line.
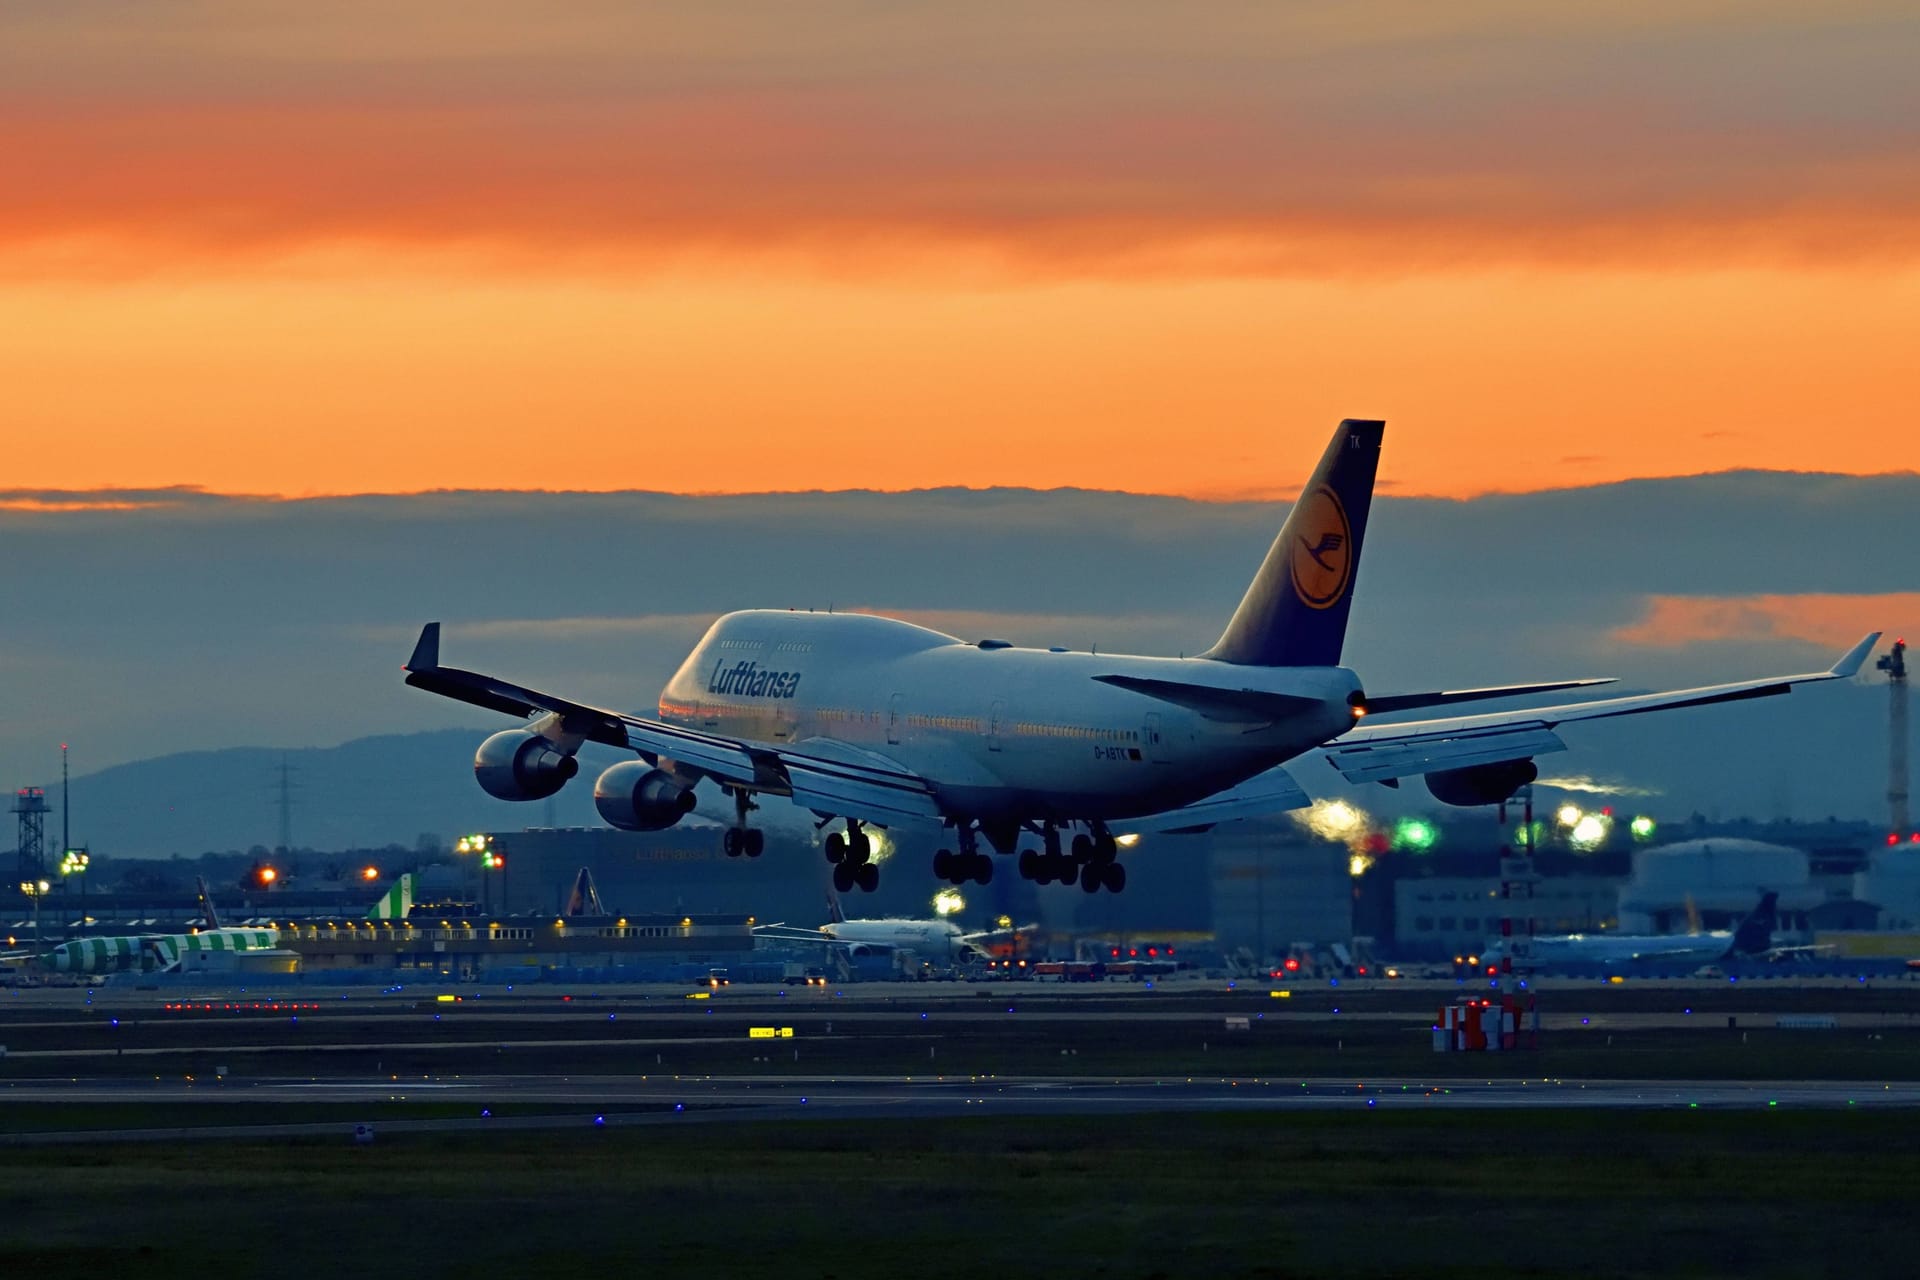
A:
{"points": [[721, 758], [1392, 702], [832, 787], [1271, 792], [1382, 761], [1382, 752]]}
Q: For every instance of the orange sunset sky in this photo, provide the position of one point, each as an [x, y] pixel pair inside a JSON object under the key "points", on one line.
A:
{"points": [[316, 249]]}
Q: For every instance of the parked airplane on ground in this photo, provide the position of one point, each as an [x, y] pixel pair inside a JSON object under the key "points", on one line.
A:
{"points": [[937, 940], [159, 952], [1751, 939], [871, 720], [397, 902]]}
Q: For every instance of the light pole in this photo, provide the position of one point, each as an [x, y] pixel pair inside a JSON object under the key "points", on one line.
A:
{"points": [[74, 863], [35, 889]]}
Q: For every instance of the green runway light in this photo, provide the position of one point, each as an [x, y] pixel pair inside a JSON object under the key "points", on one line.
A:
{"points": [[1415, 834]]}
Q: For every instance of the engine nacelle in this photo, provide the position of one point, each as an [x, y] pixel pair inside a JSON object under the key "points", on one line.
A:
{"points": [[637, 797], [1482, 783], [517, 765]]}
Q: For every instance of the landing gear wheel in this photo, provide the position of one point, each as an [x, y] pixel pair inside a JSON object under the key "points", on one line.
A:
{"points": [[1063, 869], [836, 848], [982, 869], [1029, 861], [843, 878], [1115, 877], [730, 842], [943, 864], [867, 876], [859, 848], [1083, 848], [1090, 877], [754, 842]]}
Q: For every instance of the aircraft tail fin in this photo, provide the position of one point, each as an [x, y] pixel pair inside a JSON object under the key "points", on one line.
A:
{"points": [[834, 913], [206, 900], [585, 898], [1754, 934], [1295, 612], [396, 902]]}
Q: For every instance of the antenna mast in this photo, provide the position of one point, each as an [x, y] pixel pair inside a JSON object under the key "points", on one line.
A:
{"points": [[1895, 665]]}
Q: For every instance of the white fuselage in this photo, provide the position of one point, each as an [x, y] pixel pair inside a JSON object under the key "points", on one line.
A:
{"points": [[155, 951], [930, 939], [1004, 732], [1603, 948]]}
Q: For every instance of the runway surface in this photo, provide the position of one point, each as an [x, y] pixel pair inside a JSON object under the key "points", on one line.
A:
{"points": [[628, 1101]]}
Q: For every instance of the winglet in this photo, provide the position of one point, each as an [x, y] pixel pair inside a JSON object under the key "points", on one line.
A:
{"points": [[1847, 666], [426, 650]]}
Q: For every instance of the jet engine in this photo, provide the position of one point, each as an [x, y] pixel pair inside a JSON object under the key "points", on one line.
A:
{"points": [[517, 765], [1482, 783], [637, 797]]}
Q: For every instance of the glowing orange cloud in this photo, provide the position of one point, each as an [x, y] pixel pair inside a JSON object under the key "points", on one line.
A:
{"points": [[1092, 139], [287, 250], [1833, 620]]}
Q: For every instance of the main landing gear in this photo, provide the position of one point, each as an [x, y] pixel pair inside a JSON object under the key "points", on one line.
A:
{"points": [[740, 838], [852, 859], [1091, 862], [968, 864]]}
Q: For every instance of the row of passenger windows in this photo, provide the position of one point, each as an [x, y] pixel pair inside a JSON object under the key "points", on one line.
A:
{"points": [[973, 724], [785, 646], [1031, 729], [1472, 925], [1539, 892], [837, 716], [962, 724]]}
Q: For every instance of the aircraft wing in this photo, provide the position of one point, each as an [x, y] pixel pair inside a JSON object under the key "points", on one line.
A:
{"points": [[1274, 791], [823, 775], [789, 933], [1383, 753]]}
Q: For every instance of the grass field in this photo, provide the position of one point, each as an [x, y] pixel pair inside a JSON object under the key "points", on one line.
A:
{"points": [[1659, 1194]]}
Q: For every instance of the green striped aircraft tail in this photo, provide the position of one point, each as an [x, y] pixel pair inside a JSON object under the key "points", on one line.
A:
{"points": [[396, 902]]}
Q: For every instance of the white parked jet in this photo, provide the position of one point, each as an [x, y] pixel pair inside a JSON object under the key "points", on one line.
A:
{"points": [[939, 940], [878, 721], [1750, 939]]}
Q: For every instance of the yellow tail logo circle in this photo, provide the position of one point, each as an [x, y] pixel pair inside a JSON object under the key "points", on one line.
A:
{"points": [[1322, 554]]}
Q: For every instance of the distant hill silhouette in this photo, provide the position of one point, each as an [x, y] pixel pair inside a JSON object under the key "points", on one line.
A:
{"points": [[1811, 754]]}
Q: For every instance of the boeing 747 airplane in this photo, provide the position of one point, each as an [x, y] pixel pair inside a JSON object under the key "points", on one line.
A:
{"points": [[872, 721]]}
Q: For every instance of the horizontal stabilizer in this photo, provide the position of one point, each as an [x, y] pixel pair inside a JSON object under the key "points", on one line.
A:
{"points": [[1447, 697], [1234, 706]]}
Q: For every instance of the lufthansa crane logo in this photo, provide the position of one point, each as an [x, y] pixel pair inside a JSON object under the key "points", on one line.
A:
{"points": [[1322, 553]]}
